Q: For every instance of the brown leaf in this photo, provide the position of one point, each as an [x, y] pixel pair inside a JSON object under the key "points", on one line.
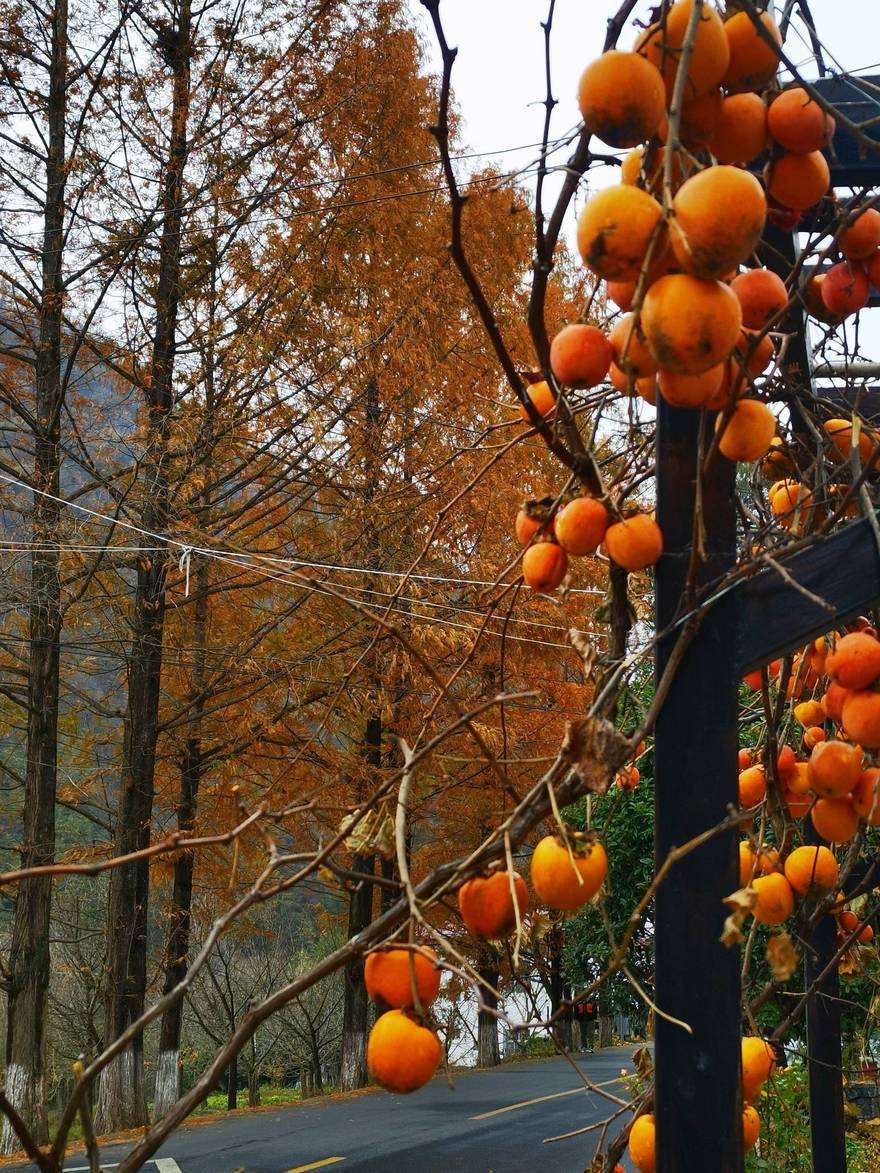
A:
{"points": [[643, 1061], [596, 751], [740, 904], [782, 957], [587, 651]]}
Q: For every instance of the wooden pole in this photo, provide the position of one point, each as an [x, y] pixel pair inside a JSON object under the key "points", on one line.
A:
{"points": [[698, 1097]]}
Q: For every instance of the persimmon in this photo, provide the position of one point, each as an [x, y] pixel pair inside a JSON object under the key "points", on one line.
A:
{"points": [[866, 796], [580, 354], [622, 293], [753, 679], [769, 861], [752, 62], [816, 307], [841, 434], [622, 98], [631, 166], [834, 768], [747, 433], [752, 787], [542, 397], [798, 781], [867, 934], [861, 717], [388, 976], [758, 1063], [698, 121], [744, 758], [544, 566], [762, 297], [860, 240], [748, 862], [643, 1143], [486, 904], [527, 525], [809, 713], [629, 349], [628, 778], [690, 324], [835, 819], [798, 123], [561, 884], [778, 461], [635, 542], [635, 166], [691, 390], [646, 389], [581, 526], [845, 289], [740, 133], [756, 351], [710, 55], [813, 736], [787, 496], [811, 867], [785, 762], [797, 804], [402, 1055], [834, 699], [797, 181], [629, 385], [775, 901], [615, 229], [719, 216], [873, 267], [847, 921], [854, 661], [751, 1127]]}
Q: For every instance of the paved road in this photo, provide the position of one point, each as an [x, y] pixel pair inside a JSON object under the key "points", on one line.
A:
{"points": [[493, 1122]]}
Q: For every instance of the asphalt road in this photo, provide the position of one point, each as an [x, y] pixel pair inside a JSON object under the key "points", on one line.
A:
{"points": [[493, 1122]]}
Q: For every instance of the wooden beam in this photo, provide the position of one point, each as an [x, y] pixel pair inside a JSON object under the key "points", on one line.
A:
{"points": [[775, 613], [698, 1099], [857, 98]]}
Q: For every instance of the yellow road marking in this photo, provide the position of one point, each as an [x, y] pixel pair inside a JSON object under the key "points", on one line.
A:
{"points": [[317, 1165], [524, 1104]]}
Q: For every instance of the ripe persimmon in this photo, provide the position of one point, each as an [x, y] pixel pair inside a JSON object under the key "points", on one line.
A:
{"points": [[402, 1055], [622, 293], [744, 756], [834, 768], [746, 435], [621, 98], [762, 297], [758, 1062], [748, 862], [797, 804], [388, 976], [778, 461], [809, 713], [811, 867], [816, 307], [557, 882], [486, 904], [860, 240], [635, 542], [854, 661], [752, 62], [751, 1127], [719, 216], [615, 229], [690, 324], [699, 119], [710, 55], [813, 735], [841, 434], [544, 566], [861, 717], [580, 354], [581, 526], [643, 1143], [629, 349], [835, 819], [691, 390], [867, 934], [542, 397], [527, 525], [740, 133], [797, 181], [834, 700], [845, 289], [775, 901], [866, 796], [756, 351], [752, 787], [798, 123]]}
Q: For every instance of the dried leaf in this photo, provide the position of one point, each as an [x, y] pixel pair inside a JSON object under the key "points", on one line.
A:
{"points": [[587, 651], [644, 1062], [740, 904], [595, 750], [782, 957]]}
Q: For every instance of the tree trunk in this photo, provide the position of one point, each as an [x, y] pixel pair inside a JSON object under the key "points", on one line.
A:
{"points": [[29, 961], [177, 941], [121, 1098], [487, 1022], [232, 1085], [253, 1088]]}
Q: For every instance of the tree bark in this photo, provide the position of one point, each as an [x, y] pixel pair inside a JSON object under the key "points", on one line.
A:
{"points": [[487, 1023], [121, 1097], [232, 1085], [29, 961], [353, 1070]]}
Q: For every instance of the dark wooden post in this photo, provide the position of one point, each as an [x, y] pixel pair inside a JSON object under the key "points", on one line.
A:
{"points": [[698, 1113]]}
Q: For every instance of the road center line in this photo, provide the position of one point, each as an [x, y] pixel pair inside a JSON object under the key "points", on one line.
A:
{"points": [[316, 1165], [513, 1107]]}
